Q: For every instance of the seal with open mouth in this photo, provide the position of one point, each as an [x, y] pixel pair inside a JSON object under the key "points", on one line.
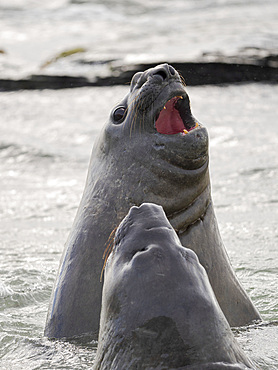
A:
{"points": [[151, 150], [158, 308]]}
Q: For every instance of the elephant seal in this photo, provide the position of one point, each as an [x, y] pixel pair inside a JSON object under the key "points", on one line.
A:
{"points": [[152, 149], [158, 308]]}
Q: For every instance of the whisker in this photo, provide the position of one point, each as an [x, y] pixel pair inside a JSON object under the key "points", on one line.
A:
{"points": [[137, 108], [182, 78], [111, 237], [144, 114], [111, 246], [134, 118], [134, 100], [143, 120]]}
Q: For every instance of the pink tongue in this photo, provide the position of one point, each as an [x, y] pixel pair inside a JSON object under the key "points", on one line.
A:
{"points": [[169, 121]]}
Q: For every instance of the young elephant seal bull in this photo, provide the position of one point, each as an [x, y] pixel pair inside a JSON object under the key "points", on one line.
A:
{"points": [[151, 150], [158, 308]]}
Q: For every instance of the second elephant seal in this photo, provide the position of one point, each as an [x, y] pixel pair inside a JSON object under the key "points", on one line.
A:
{"points": [[158, 308]]}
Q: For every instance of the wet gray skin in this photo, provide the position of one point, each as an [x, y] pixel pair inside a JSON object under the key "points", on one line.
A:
{"points": [[132, 163], [158, 307]]}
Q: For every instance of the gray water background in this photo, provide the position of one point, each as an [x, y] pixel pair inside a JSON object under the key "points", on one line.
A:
{"points": [[33, 32], [46, 139]]}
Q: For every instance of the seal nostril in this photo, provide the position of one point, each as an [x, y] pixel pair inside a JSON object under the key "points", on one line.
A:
{"points": [[161, 73], [172, 70]]}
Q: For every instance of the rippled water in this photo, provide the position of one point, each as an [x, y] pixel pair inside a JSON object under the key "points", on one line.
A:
{"points": [[33, 32], [46, 139], [45, 143]]}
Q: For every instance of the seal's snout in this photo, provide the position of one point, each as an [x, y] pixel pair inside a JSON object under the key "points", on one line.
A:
{"points": [[163, 72], [159, 74]]}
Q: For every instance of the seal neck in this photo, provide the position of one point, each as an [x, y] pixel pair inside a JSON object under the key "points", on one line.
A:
{"points": [[155, 344], [193, 212]]}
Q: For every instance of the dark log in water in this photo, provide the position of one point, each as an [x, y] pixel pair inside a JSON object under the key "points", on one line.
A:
{"points": [[194, 73]]}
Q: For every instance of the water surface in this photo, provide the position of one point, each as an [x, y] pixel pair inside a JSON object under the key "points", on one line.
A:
{"points": [[34, 32], [45, 144]]}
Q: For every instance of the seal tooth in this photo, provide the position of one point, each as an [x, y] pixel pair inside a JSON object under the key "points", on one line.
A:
{"points": [[197, 124], [185, 131], [164, 107], [180, 97]]}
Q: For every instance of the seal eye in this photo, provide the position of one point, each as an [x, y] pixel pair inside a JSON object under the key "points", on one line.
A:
{"points": [[119, 114]]}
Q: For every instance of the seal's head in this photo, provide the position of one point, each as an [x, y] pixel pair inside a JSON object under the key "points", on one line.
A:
{"points": [[157, 109], [158, 306], [153, 142], [159, 96], [148, 263]]}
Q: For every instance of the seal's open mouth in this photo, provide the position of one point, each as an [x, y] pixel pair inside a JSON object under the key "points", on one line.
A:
{"points": [[175, 117]]}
